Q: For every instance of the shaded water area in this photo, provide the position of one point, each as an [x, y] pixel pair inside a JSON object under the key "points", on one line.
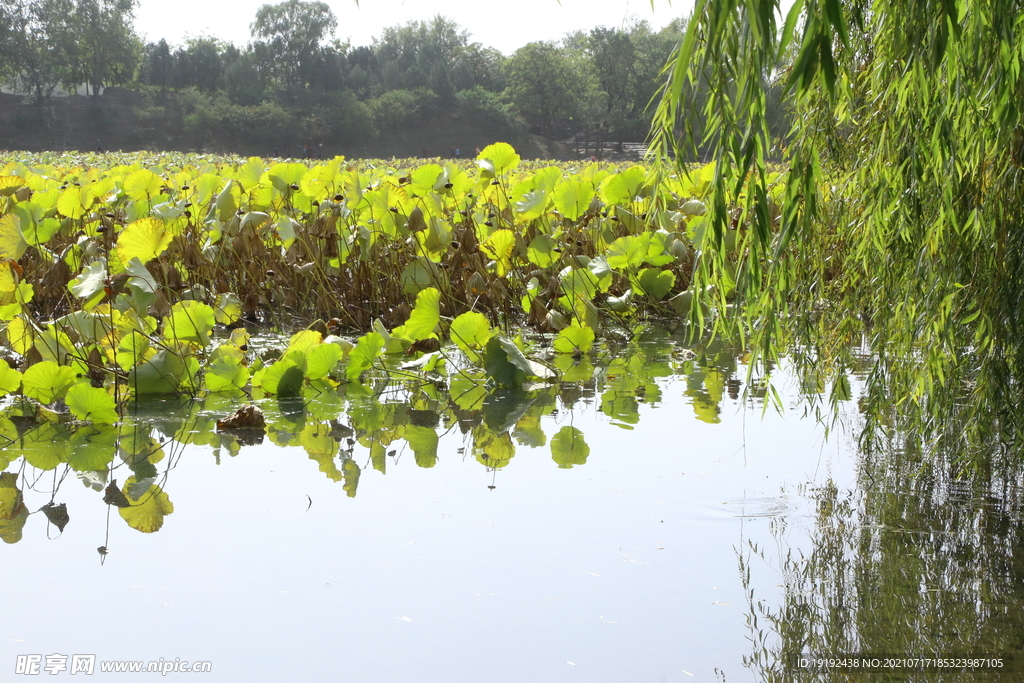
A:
{"points": [[647, 518]]}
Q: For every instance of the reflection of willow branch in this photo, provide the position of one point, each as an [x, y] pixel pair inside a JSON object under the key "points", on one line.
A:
{"points": [[923, 561]]}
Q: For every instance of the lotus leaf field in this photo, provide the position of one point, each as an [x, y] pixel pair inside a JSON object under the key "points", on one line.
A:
{"points": [[126, 276]]}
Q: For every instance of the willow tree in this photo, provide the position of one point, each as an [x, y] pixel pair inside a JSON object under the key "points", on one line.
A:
{"points": [[898, 220]]}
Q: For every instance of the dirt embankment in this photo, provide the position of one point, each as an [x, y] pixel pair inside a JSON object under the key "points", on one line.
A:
{"points": [[119, 119]]}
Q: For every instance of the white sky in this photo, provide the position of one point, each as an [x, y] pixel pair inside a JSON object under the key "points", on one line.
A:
{"points": [[495, 23]]}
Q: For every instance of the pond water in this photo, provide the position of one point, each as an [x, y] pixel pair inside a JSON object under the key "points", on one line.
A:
{"points": [[645, 522]]}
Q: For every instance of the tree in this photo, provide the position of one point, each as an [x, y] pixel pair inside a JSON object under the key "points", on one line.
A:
{"points": [[899, 221], [423, 53], [106, 49], [614, 57], [158, 67], [289, 37], [200, 65], [538, 74], [34, 39]]}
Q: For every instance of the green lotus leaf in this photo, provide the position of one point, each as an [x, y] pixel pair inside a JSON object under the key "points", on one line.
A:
{"points": [[629, 251], [133, 349], [573, 338], [321, 359], [227, 308], [499, 247], [20, 335], [425, 179], [505, 363], [284, 378], [75, 202], [39, 232], [654, 282], [573, 198], [361, 358], [163, 373], [12, 242], [46, 381], [623, 188], [541, 251], [471, 331], [422, 273], [533, 204], [424, 317], [225, 373], [578, 283], [140, 278], [9, 184], [189, 321], [10, 379], [227, 201], [91, 404]]}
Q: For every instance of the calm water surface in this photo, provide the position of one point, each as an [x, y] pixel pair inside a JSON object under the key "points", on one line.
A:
{"points": [[638, 525]]}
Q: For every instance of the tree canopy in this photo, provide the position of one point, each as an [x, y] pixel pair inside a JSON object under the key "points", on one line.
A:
{"points": [[290, 36], [897, 222]]}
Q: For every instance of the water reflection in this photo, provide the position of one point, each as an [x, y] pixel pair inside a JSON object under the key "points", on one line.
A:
{"points": [[394, 418], [923, 559]]}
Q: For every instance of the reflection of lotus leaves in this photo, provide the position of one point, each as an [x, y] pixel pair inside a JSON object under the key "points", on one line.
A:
{"points": [[351, 472], [10, 496], [423, 441], [493, 451], [704, 408], [568, 447], [316, 439], [528, 432], [11, 529], [621, 406], [46, 446], [147, 511]]}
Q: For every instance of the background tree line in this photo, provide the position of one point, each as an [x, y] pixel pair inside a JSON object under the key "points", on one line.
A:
{"points": [[294, 83]]}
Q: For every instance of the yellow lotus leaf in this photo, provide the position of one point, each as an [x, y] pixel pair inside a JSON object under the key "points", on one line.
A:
{"points": [[144, 239], [12, 241]]}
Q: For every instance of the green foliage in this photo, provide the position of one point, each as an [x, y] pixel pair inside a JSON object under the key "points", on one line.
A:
{"points": [[366, 351], [898, 221], [91, 403], [577, 338], [424, 317], [471, 331], [504, 363]]}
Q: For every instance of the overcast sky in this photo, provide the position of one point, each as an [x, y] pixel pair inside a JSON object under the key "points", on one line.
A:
{"points": [[503, 24]]}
